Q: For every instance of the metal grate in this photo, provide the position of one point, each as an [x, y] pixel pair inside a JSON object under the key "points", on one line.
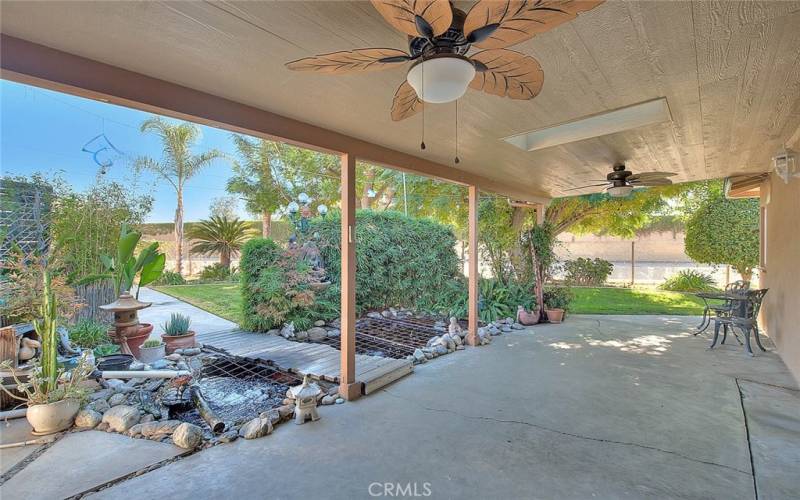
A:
{"points": [[388, 338], [237, 390]]}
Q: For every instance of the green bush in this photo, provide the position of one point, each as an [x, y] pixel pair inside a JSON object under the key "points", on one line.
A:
{"points": [[400, 261], [215, 272], [689, 281], [89, 333], [275, 287], [496, 300], [170, 278], [558, 297], [587, 272]]}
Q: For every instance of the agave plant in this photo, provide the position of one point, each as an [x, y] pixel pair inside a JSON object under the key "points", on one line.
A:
{"points": [[219, 235]]}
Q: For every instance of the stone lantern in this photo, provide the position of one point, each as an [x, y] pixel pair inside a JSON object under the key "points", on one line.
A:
{"points": [[128, 332], [305, 400]]}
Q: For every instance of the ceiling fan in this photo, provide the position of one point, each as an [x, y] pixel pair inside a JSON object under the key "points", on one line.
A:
{"points": [[439, 39], [620, 182]]}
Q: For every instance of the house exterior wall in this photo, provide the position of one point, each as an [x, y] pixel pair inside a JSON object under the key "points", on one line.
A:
{"points": [[781, 260]]}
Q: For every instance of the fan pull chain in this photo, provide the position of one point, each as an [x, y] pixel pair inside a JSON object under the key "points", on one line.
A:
{"points": [[422, 144], [457, 160]]}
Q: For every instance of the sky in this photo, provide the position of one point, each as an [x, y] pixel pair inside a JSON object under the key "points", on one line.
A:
{"points": [[44, 131]]}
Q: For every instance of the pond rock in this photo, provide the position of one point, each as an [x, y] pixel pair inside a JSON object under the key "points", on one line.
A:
{"points": [[317, 334], [256, 428], [121, 418], [319, 322], [328, 400], [154, 430], [101, 406], [88, 419], [117, 399], [188, 436]]}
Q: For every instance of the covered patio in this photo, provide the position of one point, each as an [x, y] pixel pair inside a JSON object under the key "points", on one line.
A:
{"points": [[604, 407], [601, 406]]}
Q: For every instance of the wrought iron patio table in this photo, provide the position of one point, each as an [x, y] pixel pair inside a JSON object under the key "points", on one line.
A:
{"points": [[740, 298]]}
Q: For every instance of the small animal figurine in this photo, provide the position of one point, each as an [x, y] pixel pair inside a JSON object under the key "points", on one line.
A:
{"points": [[454, 328], [181, 383], [27, 349]]}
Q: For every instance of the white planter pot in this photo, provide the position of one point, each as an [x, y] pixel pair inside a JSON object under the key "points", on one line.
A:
{"points": [[53, 417], [150, 355]]}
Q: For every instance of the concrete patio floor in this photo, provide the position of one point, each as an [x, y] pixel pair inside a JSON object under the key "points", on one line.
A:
{"points": [[601, 406]]}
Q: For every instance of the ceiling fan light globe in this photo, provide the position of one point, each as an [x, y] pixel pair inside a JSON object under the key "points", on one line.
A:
{"points": [[619, 191], [446, 78]]}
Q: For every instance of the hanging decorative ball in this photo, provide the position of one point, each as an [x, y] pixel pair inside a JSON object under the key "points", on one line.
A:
{"points": [[422, 145], [457, 160]]}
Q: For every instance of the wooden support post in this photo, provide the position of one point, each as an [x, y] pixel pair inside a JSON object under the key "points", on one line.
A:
{"points": [[348, 387], [472, 267], [540, 208], [633, 263]]}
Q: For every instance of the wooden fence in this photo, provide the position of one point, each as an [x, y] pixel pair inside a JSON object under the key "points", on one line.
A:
{"points": [[93, 296]]}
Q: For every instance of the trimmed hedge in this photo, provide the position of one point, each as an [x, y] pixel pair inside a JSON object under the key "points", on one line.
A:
{"points": [[400, 261]]}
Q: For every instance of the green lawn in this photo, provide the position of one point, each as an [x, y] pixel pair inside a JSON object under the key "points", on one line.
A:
{"points": [[634, 301], [222, 299]]}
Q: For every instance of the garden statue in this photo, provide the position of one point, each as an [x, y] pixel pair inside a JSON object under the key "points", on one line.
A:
{"points": [[454, 328], [310, 253], [128, 332], [27, 349], [65, 347], [305, 400]]}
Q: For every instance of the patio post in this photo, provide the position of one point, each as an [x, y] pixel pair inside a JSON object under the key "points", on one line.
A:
{"points": [[472, 267], [348, 387]]}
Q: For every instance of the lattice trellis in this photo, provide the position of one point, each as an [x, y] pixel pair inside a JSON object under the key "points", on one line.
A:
{"points": [[23, 217]]}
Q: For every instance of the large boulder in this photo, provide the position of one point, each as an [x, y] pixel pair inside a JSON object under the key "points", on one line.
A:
{"points": [[188, 436], [121, 418]]}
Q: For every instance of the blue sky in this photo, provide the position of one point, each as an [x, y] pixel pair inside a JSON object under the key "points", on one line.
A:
{"points": [[44, 131]]}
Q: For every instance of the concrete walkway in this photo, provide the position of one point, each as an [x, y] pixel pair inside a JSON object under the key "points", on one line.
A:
{"points": [[203, 322], [599, 407]]}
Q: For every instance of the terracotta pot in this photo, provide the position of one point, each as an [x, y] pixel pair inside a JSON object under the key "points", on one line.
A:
{"points": [[135, 341], [178, 341], [151, 354], [527, 318], [554, 315], [53, 417]]}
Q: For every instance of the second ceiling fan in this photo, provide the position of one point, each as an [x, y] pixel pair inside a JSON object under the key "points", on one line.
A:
{"points": [[440, 37]]}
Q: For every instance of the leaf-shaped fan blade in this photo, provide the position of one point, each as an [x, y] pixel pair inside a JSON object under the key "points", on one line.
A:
{"points": [[650, 175], [406, 102], [349, 61], [515, 21], [508, 74], [426, 18], [589, 186], [654, 181]]}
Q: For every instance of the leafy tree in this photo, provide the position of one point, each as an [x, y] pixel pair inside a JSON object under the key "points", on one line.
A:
{"points": [[224, 206], [219, 235], [257, 177], [178, 164], [724, 231]]}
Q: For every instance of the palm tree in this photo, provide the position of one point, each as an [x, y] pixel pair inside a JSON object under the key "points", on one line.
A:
{"points": [[219, 235], [178, 164]]}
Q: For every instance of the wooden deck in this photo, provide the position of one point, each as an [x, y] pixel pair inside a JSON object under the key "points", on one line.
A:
{"points": [[307, 358]]}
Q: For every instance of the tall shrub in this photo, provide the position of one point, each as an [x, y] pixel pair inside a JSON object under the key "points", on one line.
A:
{"points": [[400, 261]]}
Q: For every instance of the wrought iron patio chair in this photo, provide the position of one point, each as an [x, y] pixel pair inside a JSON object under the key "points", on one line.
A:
{"points": [[725, 309], [744, 317]]}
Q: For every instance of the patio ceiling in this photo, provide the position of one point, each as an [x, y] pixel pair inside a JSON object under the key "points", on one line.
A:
{"points": [[730, 72]]}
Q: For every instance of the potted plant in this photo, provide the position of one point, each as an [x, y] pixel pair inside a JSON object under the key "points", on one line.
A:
{"points": [[53, 394], [177, 334], [151, 351], [556, 303]]}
